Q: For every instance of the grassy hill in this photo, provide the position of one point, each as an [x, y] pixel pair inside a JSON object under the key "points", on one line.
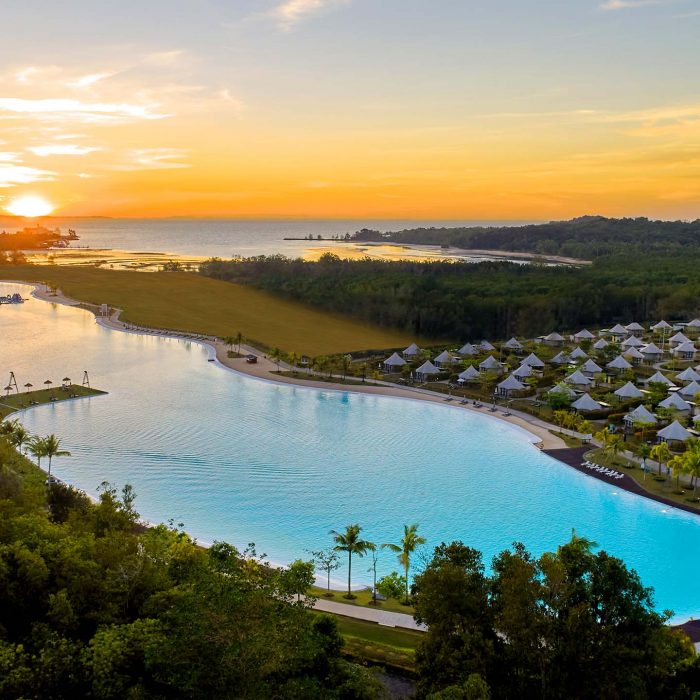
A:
{"points": [[190, 302]]}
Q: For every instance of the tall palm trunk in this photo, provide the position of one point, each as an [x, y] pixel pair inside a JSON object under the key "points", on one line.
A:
{"points": [[349, 571]]}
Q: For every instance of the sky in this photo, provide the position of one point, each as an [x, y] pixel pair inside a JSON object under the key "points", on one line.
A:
{"points": [[435, 109]]}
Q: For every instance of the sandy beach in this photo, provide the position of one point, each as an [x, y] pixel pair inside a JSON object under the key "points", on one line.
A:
{"points": [[268, 370]]}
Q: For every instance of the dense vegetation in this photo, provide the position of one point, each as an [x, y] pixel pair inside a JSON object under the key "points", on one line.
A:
{"points": [[92, 608], [467, 301], [587, 237], [571, 624]]}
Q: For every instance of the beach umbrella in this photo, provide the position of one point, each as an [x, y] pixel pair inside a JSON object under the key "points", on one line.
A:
{"points": [[8, 389], [66, 381], [28, 386]]}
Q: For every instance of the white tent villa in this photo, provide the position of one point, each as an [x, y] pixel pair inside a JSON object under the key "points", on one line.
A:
{"points": [[634, 356], [513, 344], [394, 363], [585, 334], [600, 344], [619, 363], [523, 372], [685, 350], [642, 415], [412, 351], [509, 386], [661, 326], [561, 358], [617, 331], [635, 329], [693, 326], [674, 432], [586, 403], [579, 379], [690, 391], [628, 391], [658, 378], [486, 346], [490, 364], [533, 361], [578, 354], [553, 339], [425, 371], [632, 342], [651, 352], [562, 388], [589, 368], [676, 403], [688, 375], [468, 375], [444, 359], [678, 339], [467, 350]]}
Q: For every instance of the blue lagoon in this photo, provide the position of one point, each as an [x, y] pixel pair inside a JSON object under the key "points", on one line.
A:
{"points": [[245, 460]]}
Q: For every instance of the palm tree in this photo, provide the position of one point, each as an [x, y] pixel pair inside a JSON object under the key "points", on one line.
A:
{"points": [[691, 461], [52, 448], [350, 542], [19, 436], [408, 545], [239, 340], [678, 465], [661, 453], [229, 340], [37, 446], [371, 547], [644, 452]]}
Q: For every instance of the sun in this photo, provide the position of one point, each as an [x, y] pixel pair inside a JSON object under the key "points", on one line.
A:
{"points": [[30, 206]]}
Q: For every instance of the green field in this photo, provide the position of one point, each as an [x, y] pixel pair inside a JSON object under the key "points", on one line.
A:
{"points": [[16, 402], [363, 599], [189, 302]]}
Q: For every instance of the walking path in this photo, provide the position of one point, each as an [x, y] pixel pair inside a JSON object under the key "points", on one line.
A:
{"points": [[381, 617]]}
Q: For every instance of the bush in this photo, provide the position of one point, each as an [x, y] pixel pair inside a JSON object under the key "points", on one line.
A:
{"points": [[392, 586]]}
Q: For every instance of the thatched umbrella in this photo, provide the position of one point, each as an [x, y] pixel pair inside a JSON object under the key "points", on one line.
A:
{"points": [[28, 386], [66, 382]]}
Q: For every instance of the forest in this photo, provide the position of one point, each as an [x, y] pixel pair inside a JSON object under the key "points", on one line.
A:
{"points": [[461, 301], [586, 237]]}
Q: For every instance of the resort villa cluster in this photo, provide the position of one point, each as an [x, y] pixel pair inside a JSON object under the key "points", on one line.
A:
{"points": [[631, 377]]}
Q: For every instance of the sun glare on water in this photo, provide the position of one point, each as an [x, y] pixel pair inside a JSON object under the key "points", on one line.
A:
{"points": [[29, 206]]}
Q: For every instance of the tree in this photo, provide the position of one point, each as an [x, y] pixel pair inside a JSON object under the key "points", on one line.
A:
{"points": [[52, 448], [238, 340], [610, 442], [297, 578], [391, 585], [409, 542], [372, 547], [350, 542], [229, 340], [37, 447], [660, 453], [19, 436], [644, 453], [328, 560]]}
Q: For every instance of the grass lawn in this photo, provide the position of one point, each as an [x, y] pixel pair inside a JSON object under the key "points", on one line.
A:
{"points": [[16, 402], [666, 487], [363, 599], [368, 641], [189, 302]]}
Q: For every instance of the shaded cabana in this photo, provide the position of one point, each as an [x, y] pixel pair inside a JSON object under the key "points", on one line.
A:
{"points": [[412, 351], [490, 364], [685, 351], [394, 363], [634, 356], [425, 371], [578, 354], [617, 331], [579, 379], [658, 378], [564, 389], [509, 386], [641, 415], [533, 361], [688, 375], [513, 344], [619, 364], [467, 350], [678, 339], [675, 402], [589, 368], [585, 334], [651, 353], [468, 375], [635, 329], [553, 339], [444, 359], [561, 358], [690, 391], [600, 344], [522, 372], [661, 327], [486, 346], [631, 342]]}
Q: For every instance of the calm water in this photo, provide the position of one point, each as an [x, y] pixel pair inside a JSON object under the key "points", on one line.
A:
{"points": [[223, 237], [250, 461]]}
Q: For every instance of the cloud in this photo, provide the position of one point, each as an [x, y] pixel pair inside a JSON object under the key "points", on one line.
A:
{"points": [[9, 157], [88, 80], [22, 175], [154, 159], [630, 4], [164, 58], [63, 149], [77, 110], [290, 12]]}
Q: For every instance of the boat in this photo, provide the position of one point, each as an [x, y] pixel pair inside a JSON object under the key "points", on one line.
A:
{"points": [[15, 298]]}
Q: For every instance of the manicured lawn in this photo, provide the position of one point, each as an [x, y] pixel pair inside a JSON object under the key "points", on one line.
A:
{"points": [[189, 302], [15, 402], [363, 599]]}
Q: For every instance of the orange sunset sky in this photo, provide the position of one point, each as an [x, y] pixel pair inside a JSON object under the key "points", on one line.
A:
{"points": [[352, 108]]}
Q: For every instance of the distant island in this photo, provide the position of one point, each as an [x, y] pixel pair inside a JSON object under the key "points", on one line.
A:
{"points": [[36, 238]]}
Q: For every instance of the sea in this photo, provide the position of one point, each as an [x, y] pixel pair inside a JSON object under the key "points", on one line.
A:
{"points": [[224, 238]]}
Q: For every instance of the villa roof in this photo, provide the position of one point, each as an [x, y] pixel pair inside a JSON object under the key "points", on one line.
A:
{"points": [[427, 368], [642, 414], [485, 345], [578, 354], [533, 361], [562, 388], [444, 356], [678, 338], [685, 346], [490, 363], [690, 391], [561, 358], [523, 371], [591, 366], [619, 363], [675, 401], [578, 378], [633, 353], [658, 378], [660, 325], [628, 391], [632, 342], [512, 384], [634, 326], [652, 349], [695, 323], [554, 336], [585, 334], [586, 403], [468, 349], [395, 360], [513, 344], [412, 349], [674, 431], [600, 344], [688, 375], [469, 373], [617, 329]]}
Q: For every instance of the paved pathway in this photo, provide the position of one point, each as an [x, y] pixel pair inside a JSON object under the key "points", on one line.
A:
{"points": [[382, 617]]}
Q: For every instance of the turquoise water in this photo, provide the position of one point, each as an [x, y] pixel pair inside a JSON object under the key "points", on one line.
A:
{"points": [[251, 461]]}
